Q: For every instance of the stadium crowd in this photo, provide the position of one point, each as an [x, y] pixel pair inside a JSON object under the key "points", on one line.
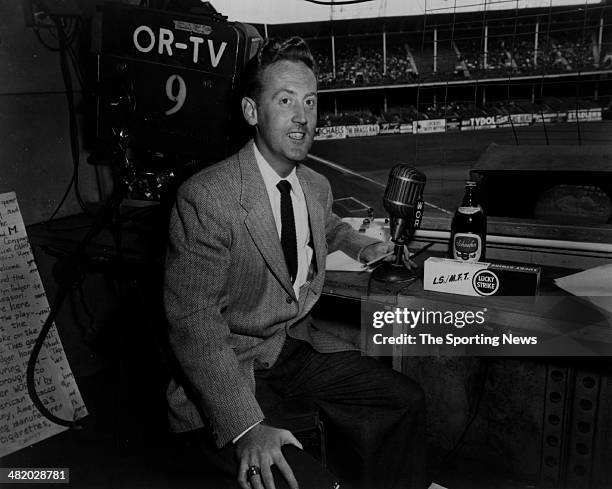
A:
{"points": [[411, 61], [363, 66], [562, 53]]}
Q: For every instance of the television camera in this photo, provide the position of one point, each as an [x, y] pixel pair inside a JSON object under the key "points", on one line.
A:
{"points": [[166, 102]]}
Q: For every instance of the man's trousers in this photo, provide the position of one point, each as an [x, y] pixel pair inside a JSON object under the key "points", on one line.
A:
{"points": [[378, 411]]}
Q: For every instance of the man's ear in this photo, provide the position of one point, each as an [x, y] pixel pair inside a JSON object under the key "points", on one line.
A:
{"points": [[249, 111]]}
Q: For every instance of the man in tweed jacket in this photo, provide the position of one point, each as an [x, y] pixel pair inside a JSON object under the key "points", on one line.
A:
{"points": [[237, 317]]}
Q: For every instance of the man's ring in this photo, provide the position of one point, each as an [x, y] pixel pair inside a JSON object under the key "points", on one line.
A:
{"points": [[252, 471]]}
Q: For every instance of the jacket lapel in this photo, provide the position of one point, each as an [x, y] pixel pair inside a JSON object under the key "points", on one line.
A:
{"points": [[259, 220], [316, 215]]}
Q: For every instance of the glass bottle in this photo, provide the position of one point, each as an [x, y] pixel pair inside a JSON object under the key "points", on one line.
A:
{"points": [[469, 228]]}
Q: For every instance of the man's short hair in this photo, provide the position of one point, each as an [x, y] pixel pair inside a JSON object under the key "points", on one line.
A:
{"points": [[273, 50]]}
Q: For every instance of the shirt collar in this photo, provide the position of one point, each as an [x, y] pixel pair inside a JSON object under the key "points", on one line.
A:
{"points": [[270, 177]]}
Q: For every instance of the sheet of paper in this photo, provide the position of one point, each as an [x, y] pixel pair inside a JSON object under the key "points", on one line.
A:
{"points": [[594, 284], [23, 311], [338, 261], [378, 228]]}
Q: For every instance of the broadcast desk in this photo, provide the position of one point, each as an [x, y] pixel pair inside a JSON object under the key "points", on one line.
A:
{"points": [[554, 312], [543, 419]]}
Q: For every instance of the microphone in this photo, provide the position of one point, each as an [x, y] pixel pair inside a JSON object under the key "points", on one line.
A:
{"points": [[403, 200]]}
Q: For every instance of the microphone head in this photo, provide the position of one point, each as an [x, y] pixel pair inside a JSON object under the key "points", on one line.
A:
{"points": [[404, 190]]}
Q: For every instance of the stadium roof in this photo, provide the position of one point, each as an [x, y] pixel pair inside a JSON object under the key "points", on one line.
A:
{"points": [[299, 11], [415, 23]]}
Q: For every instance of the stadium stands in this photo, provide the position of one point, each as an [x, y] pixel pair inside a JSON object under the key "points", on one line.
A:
{"points": [[467, 71], [461, 55]]}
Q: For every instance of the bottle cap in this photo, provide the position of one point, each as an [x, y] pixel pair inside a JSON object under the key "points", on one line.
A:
{"points": [[471, 183]]}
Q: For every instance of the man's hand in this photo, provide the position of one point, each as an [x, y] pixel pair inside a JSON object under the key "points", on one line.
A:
{"points": [[376, 250], [261, 447]]}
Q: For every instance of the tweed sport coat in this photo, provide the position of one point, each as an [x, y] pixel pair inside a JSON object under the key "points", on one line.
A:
{"points": [[227, 292]]}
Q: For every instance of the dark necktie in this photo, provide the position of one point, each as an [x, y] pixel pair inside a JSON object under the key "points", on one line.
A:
{"points": [[288, 239]]}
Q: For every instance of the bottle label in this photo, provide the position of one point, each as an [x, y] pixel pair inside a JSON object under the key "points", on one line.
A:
{"points": [[467, 247], [469, 210]]}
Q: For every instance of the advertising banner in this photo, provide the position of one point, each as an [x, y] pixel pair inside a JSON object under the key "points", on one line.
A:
{"points": [[562, 117], [429, 126], [477, 123], [453, 124], [502, 120], [584, 115], [508, 120], [362, 130], [595, 114], [581, 115], [333, 132], [521, 119], [544, 117], [548, 117], [390, 128]]}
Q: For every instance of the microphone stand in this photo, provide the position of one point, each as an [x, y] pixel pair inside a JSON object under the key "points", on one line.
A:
{"points": [[396, 272]]}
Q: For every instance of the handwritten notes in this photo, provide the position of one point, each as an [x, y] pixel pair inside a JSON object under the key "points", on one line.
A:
{"points": [[23, 311]]}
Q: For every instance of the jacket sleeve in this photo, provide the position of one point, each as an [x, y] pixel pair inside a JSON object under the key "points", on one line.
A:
{"points": [[340, 235], [195, 294]]}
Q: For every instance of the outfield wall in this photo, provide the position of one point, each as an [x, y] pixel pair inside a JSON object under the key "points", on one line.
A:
{"points": [[453, 124]]}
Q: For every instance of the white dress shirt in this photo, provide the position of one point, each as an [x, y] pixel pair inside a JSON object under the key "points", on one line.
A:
{"points": [[300, 214]]}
